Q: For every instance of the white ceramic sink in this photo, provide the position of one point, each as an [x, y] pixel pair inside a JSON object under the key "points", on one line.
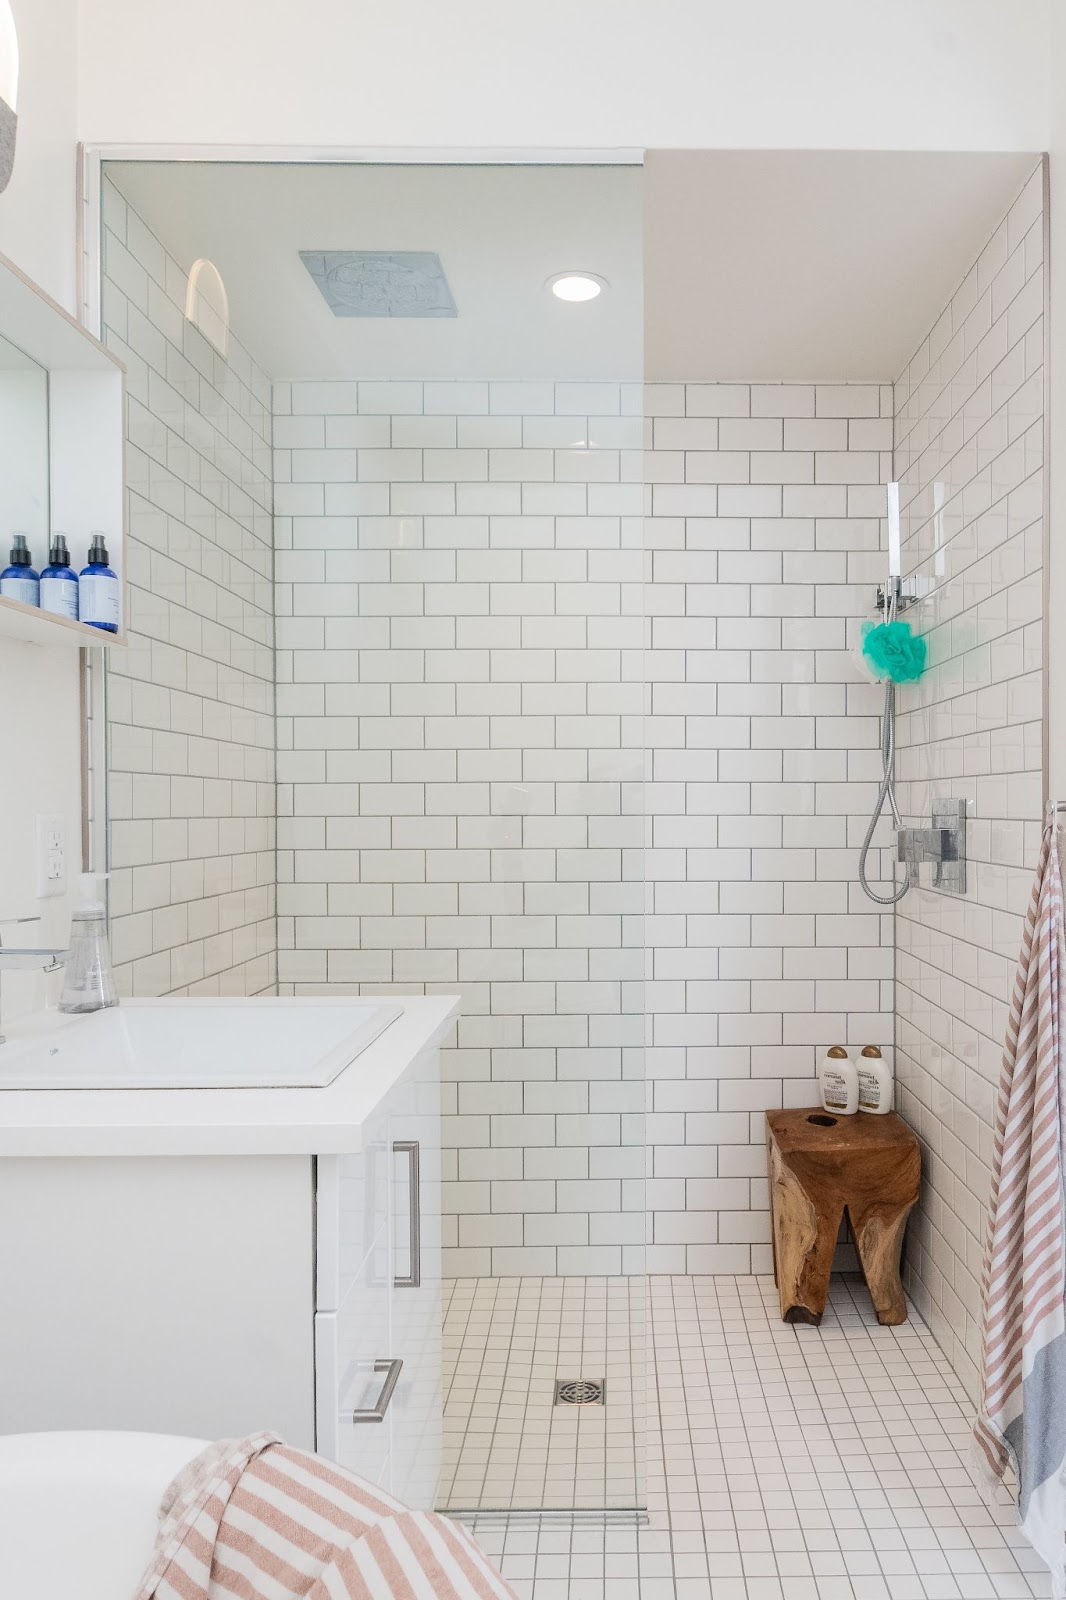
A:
{"points": [[194, 1044]]}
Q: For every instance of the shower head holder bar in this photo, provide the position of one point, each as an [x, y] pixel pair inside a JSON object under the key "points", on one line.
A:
{"points": [[885, 594]]}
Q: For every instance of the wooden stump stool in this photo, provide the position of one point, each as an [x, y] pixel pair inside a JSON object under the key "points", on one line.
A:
{"points": [[821, 1165]]}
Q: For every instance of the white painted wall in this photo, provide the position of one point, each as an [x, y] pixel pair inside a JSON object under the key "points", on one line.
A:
{"points": [[39, 723], [905, 74], [37, 227], [24, 454]]}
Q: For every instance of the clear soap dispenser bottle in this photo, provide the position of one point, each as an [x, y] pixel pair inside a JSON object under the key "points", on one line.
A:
{"points": [[89, 984]]}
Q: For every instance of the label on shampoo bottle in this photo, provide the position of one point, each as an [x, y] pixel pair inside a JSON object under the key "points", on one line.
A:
{"points": [[839, 1082], [875, 1082], [834, 1089], [60, 596], [24, 589], [98, 599]]}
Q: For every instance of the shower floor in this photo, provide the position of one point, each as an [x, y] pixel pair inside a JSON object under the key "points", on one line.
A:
{"points": [[784, 1463], [507, 1445]]}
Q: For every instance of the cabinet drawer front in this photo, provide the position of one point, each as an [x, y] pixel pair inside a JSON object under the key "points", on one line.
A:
{"points": [[416, 1301], [352, 1356], [352, 1376], [352, 1213], [418, 1403]]}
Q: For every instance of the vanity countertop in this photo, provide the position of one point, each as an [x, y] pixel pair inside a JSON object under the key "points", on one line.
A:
{"points": [[245, 1121]]}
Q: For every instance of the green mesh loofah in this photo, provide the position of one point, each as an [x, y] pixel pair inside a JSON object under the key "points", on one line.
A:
{"points": [[893, 651]]}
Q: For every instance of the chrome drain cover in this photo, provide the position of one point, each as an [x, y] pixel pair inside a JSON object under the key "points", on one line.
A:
{"points": [[579, 1391]]}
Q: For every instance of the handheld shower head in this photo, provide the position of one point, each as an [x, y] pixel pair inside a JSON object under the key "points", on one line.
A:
{"points": [[895, 553]]}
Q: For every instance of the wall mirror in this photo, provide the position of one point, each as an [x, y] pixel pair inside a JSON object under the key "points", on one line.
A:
{"points": [[24, 472]]}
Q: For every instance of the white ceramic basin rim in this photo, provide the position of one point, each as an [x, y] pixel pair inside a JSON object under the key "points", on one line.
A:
{"points": [[195, 1044]]}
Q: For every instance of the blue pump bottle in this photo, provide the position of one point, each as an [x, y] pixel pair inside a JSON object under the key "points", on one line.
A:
{"points": [[98, 589], [59, 581], [19, 581]]}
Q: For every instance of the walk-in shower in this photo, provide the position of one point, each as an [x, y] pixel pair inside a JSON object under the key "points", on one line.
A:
{"points": [[568, 720]]}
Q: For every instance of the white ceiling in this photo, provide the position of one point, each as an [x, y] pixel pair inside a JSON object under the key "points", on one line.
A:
{"points": [[780, 265], [500, 232], [770, 265]]}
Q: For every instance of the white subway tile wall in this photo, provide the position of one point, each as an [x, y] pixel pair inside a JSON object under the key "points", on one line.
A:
{"points": [[190, 701], [765, 535], [600, 771], [969, 454], [460, 765]]}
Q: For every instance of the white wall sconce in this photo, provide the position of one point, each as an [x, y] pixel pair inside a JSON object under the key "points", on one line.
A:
{"points": [[9, 83], [207, 303]]}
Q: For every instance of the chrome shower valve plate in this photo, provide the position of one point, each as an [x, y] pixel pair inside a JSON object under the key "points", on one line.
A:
{"points": [[943, 844]]}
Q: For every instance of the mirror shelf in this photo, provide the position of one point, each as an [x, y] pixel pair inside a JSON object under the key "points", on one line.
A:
{"points": [[34, 626]]}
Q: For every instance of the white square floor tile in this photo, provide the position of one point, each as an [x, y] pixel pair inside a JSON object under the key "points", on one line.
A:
{"points": [[507, 1445], [776, 1462]]}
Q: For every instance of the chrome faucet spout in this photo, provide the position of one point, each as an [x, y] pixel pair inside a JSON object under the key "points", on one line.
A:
{"points": [[32, 960]]}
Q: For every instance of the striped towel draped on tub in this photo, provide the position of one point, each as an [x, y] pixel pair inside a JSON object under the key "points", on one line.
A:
{"points": [[250, 1519], [1022, 1418]]}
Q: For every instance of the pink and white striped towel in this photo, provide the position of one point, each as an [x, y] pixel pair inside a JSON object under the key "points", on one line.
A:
{"points": [[250, 1519], [1022, 1417]]}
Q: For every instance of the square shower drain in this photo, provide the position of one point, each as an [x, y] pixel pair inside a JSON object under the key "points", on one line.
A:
{"points": [[580, 1391]]}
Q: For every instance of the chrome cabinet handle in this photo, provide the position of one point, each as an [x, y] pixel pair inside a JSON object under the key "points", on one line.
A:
{"points": [[388, 1388], [409, 1147]]}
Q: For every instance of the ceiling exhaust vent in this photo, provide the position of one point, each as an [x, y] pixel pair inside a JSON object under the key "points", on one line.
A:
{"points": [[381, 283]]}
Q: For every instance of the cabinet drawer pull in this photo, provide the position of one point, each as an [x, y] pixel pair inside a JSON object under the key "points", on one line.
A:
{"points": [[409, 1148], [377, 1413]]}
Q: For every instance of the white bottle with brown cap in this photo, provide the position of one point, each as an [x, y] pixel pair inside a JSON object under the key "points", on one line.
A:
{"points": [[875, 1082], [838, 1079]]}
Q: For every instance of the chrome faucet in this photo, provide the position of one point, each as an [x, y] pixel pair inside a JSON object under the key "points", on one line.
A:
{"points": [[29, 958]]}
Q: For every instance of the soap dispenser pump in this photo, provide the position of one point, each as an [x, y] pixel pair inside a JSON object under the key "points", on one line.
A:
{"points": [[89, 984]]}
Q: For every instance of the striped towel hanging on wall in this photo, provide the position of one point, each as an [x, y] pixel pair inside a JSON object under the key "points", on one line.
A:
{"points": [[1022, 1417]]}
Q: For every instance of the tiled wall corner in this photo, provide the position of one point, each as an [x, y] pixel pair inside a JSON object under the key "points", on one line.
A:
{"points": [[765, 527], [969, 455], [191, 699], [459, 629]]}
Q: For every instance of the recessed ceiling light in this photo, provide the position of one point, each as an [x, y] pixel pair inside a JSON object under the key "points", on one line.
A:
{"points": [[576, 286]]}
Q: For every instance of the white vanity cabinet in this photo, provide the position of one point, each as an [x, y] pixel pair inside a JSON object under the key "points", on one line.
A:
{"points": [[217, 1262], [378, 1397]]}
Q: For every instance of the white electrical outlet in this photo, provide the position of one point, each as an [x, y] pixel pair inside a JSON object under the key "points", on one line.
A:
{"points": [[51, 857]]}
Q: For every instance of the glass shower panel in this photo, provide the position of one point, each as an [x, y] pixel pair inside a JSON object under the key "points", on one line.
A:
{"points": [[544, 1137], [455, 510]]}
